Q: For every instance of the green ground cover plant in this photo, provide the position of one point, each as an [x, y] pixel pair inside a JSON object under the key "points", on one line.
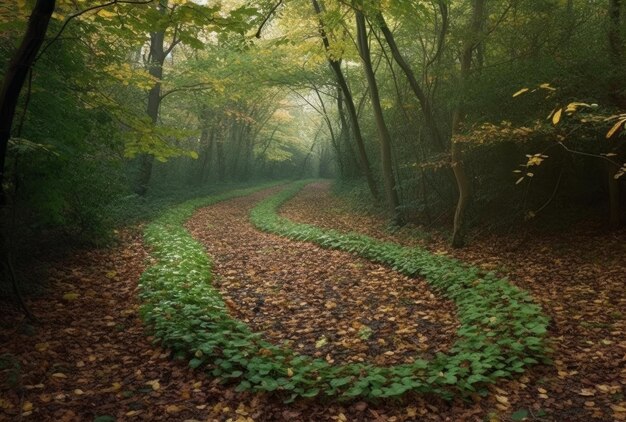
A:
{"points": [[502, 330]]}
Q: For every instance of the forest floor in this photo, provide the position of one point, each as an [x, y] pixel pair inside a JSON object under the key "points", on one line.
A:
{"points": [[88, 355]]}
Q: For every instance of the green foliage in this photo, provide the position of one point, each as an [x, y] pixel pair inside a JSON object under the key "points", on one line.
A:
{"points": [[502, 330]]}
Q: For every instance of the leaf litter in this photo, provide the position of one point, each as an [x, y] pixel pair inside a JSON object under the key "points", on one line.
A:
{"points": [[578, 277], [111, 368], [323, 303]]}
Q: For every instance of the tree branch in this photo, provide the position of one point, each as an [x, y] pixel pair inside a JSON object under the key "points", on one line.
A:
{"points": [[267, 18], [174, 43], [82, 12]]}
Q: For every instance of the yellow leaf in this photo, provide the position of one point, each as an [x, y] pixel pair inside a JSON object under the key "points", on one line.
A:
{"points": [[520, 92], [106, 14], [618, 409], [27, 406], [41, 347], [572, 107], [321, 342], [603, 388], [70, 297], [615, 128], [556, 118], [172, 409], [59, 375], [502, 400], [289, 372], [154, 384]]}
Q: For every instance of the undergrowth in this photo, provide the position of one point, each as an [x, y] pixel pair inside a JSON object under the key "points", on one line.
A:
{"points": [[502, 330]]}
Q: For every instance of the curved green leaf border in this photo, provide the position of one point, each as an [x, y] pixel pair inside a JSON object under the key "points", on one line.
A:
{"points": [[502, 330]]}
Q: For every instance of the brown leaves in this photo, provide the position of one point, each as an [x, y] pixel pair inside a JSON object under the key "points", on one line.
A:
{"points": [[578, 278], [111, 368], [324, 303]]}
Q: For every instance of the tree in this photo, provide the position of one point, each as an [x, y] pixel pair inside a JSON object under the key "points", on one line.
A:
{"points": [[456, 153], [335, 65], [156, 57], [384, 137], [16, 75]]}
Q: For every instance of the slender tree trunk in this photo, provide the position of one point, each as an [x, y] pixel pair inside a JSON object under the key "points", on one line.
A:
{"points": [[157, 56], [429, 117], [155, 68], [333, 139], [383, 132], [206, 142], [353, 168], [209, 156], [335, 66], [16, 74], [221, 167], [458, 167]]}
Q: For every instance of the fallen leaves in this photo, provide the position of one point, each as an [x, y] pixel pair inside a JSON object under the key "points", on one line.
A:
{"points": [[618, 408], [74, 339], [324, 303], [578, 278]]}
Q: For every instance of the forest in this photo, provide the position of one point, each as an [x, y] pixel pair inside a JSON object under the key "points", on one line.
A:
{"points": [[313, 210]]}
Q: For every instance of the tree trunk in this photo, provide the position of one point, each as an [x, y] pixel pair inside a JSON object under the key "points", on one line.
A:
{"points": [[335, 66], [206, 143], [383, 132], [351, 168], [16, 74], [221, 167], [429, 117], [155, 69], [456, 151]]}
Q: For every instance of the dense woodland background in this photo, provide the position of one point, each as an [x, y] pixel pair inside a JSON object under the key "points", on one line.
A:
{"points": [[506, 113]]}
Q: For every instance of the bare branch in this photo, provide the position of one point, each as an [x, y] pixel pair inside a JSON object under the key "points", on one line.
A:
{"points": [[267, 18], [82, 12]]}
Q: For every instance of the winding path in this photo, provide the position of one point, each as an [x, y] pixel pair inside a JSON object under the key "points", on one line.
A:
{"points": [[325, 303]]}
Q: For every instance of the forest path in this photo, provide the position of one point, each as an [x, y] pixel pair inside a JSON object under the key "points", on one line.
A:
{"points": [[89, 356], [577, 276], [325, 303]]}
